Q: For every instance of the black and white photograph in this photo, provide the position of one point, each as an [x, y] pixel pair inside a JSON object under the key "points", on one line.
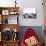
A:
{"points": [[29, 13]]}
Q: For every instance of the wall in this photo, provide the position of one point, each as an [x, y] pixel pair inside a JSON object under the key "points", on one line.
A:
{"points": [[6, 3], [27, 4], [32, 4]]}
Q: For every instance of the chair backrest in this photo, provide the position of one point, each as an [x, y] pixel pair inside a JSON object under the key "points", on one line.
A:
{"points": [[29, 32]]}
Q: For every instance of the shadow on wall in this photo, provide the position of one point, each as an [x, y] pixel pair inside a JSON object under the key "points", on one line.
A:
{"points": [[37, 29]]}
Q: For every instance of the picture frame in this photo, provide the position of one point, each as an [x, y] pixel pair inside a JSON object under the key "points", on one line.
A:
{"points": [[5, 12], [12, 12], [30, 13]]}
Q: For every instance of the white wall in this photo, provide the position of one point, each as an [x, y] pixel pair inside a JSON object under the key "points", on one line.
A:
{"points": [[32, 4], [27, 4], [7, 3]]}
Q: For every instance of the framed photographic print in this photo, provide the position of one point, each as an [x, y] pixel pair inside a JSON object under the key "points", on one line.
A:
{"points": [[12, 12], [5, 12], [29, 13]]}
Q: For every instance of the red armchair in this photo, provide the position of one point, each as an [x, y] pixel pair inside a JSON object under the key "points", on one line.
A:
{"points": [[29, 33]]}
